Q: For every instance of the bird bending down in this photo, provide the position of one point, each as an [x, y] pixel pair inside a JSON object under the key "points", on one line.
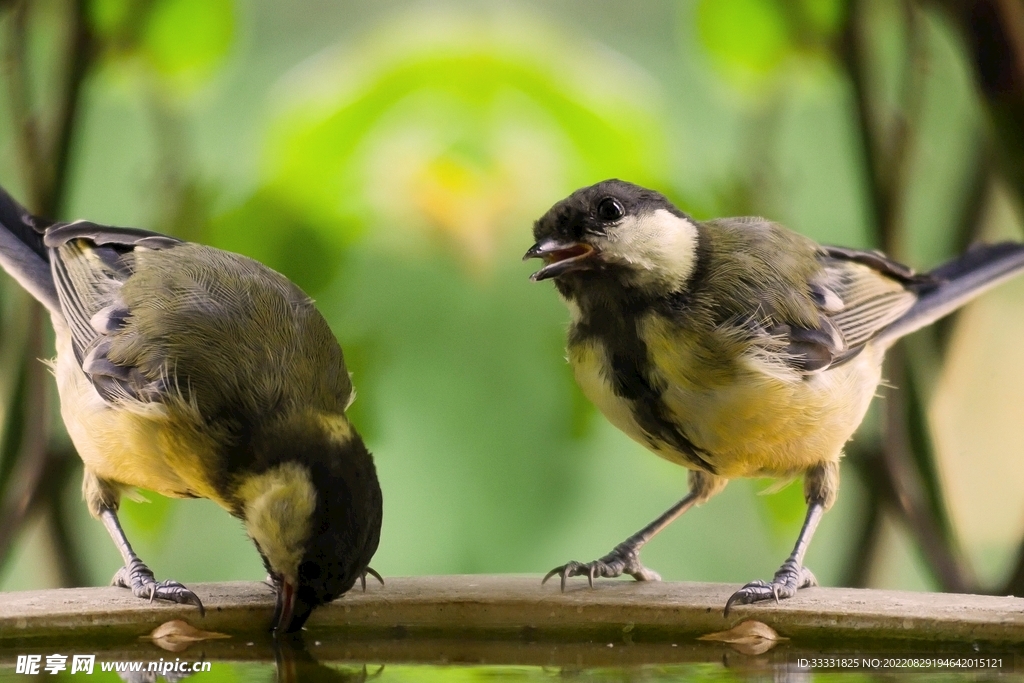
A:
{"points": [[199, 373], [733, 347]]}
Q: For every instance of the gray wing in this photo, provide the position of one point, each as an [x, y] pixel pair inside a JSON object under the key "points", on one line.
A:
{"points": [[90, 263], [857, 295], [874, 290]]}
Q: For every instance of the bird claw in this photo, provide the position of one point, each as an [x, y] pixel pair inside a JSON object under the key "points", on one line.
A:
{"points": [[372, 572], [623, 559], [790, 578], [138, 578]]}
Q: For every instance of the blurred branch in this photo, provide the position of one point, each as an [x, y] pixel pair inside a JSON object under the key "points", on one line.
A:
{"points": [[62, 466], [910, 460], [47, 500], [44, 159], [905, 473], [29, 443], [875, 468], [886, 148], [993, 33], [20, 101], [79, 59]]}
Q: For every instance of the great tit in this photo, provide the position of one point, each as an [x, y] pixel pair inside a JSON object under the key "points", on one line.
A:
{"points": [[194, 372], [733, 347]]}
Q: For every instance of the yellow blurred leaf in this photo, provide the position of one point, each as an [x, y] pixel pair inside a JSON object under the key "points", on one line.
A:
{"points": [[177, 635], [749, 638], [458, 132]]}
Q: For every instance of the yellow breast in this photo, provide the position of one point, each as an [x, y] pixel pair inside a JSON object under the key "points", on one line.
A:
{"points": [[752, 417]]}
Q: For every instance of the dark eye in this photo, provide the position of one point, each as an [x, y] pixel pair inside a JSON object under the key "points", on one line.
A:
{"points": [[610, 209]]}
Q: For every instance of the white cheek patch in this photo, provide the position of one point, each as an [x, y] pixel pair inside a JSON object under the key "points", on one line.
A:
{"points": [[661, 247]]}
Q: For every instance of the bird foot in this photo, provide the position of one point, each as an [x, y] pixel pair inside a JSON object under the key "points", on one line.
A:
{"points": [[140, 580], [790, 578], [623, 559], [372, 572]]}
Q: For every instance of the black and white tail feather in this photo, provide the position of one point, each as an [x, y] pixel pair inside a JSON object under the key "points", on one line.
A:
{"points": [[23, 254], [75, 269], [954, 283]]}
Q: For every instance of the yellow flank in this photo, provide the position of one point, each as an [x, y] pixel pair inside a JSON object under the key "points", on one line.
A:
{"points": [[751, 415], [279, 504], [153, 446], [166, 448]]}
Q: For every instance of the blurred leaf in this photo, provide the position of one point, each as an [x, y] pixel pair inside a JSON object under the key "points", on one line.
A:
{"points": [[784, 508], [186, 39], [749, 638], [149, 512], [107, 17], [824, 16], [177, 635], [749, 40], [749, 35], [426, 153], [272, 233], [457, 136]]}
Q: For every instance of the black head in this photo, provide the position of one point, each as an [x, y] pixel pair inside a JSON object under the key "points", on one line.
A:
{"points": [[344, 533], [617, 230], [316, 519]]}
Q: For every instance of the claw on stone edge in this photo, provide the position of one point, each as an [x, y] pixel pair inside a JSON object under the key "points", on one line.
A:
{"points": [[372, 572], [563, 571], [198, 603], [728, 604], [737, 598]]}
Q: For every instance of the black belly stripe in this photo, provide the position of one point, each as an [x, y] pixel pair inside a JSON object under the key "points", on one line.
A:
{"points": [[633, 379], [630, 381]]}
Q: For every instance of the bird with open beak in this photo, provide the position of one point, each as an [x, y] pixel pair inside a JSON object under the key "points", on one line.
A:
{"points": [[733, 347], [199, 373]]}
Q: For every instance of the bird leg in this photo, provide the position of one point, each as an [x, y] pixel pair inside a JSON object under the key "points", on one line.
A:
{"points": [[820, 487], [625, 557], [791, 576], [135, 575]]}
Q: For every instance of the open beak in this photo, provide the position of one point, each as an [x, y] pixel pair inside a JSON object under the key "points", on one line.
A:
{"points": [[560, 257], [285, 607]]}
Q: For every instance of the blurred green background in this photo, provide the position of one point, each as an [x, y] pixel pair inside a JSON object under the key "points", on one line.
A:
{"points": [[390, 157]]}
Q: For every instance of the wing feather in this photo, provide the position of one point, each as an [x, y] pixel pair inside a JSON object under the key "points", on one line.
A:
{"points": [[874, 292], [90, 262], [857, 294]]}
